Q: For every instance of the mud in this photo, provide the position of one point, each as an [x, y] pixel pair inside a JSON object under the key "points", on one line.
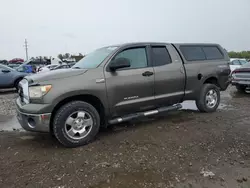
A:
{"points": [[180, 149]]}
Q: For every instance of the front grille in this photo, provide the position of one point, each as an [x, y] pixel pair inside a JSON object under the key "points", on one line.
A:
{"points": [[243, 75]]}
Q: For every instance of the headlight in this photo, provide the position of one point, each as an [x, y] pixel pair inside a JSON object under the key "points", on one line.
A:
{"points": [[38, 91], [233, 75]]}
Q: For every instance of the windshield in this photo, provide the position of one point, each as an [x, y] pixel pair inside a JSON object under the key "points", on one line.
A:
{"points": [[93, 59], [246, 65]]}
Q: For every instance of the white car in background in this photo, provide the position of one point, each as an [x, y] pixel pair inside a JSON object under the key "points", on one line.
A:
{"points": [[236, 63], [47, 68]]}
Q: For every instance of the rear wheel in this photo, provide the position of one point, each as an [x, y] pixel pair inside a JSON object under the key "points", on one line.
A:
{"points": [[76, 123], [209, 98], [241, 88]]}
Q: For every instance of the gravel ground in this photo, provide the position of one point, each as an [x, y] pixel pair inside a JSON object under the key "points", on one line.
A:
{"points": [[180, 149], [7, 102]]}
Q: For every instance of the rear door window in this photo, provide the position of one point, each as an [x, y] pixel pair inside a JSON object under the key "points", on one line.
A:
{"points": [[212, 52], [161, 56], [193, 53]]}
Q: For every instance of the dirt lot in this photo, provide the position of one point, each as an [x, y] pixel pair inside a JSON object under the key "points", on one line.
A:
{"points": [[179, 149]]}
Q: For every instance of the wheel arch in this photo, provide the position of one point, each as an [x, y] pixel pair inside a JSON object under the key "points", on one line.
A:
{"points": [[211, 80], [89, 98], [17, 79]]}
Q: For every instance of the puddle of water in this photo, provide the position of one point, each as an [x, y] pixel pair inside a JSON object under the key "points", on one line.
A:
{"points": [[11, 125], [190, 105]]}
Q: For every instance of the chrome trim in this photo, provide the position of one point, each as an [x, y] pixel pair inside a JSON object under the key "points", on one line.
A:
{"points": [[119, 119], [41, 121], [151, 112], [27, 114], [100, 80]]}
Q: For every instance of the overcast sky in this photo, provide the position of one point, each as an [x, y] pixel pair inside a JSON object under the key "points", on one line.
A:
{"points": [[59, 26]]}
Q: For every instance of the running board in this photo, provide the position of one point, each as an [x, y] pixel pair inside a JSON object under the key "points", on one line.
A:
{"points": [[144, 114]]}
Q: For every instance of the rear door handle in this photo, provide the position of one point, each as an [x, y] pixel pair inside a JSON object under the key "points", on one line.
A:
{"points": [[147, 73]]}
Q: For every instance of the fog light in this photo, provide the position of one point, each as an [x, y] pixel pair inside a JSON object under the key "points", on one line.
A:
{"points": [[31, 123]]}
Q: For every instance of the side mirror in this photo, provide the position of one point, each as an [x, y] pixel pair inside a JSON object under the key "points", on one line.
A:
{"points": [[5, 71], [119, 63]]}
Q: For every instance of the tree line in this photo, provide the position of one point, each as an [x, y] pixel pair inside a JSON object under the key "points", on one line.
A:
{"points": [[242, 54], [62, 57]]}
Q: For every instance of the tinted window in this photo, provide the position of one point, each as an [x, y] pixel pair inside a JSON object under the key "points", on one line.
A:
{"points": [[246, 65], [242, 62], [192, 53], [137, 57], [235, 62], [160, 56], [212, 52]]}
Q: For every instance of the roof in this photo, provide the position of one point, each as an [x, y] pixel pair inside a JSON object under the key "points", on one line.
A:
{"points": [[159, 43]]}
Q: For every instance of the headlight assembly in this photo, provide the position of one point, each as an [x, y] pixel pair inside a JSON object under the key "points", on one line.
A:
{"points": [[36, 92]]}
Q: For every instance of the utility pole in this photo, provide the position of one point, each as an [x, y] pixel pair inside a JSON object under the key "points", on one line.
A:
{"points": [[26, 48]]}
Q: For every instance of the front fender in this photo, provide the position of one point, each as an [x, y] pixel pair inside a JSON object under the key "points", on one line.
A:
{"points": [[79, 93]]}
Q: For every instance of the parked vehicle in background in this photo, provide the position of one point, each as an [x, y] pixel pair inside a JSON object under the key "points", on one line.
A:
{"points": [[236, 63], [16, 60], [71, 64], [4, 62], [241, 77], [47, 68], [13, 65], [26, 68], [9, 77], [62, 66], [120, 83]]}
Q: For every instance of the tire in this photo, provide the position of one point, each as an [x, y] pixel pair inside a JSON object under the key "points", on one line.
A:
{"points": [[203, 104], [17, 82], [63, 131], [241, 88]]}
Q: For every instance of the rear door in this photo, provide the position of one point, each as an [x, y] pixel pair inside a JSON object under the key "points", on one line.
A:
{"points": [[169, 75], [130, 90]]}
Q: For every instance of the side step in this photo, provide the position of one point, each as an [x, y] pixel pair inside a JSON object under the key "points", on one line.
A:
{"points": [[144, 114]]}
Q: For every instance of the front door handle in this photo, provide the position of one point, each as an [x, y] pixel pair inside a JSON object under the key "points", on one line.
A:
{"points": [[147, 73]]}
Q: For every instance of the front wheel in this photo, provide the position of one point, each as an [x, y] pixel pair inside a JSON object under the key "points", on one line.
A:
{"points": [[209, 98], [76, 123]]}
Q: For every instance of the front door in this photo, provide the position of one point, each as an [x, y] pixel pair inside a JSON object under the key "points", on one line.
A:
{"points": [[169, 75], [130, 90]]}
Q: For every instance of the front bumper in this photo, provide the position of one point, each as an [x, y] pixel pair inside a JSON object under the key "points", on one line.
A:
{"points": [[241, 82], [33, 122]]}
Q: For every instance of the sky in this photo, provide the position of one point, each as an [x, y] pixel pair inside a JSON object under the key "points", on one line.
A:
{"points": [[59, 26]]}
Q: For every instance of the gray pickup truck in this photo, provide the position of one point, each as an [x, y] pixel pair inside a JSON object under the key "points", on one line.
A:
{"points": [[119, 83]]}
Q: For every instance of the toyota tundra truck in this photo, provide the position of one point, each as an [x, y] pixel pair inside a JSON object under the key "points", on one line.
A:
{"points": [[120, 83]]}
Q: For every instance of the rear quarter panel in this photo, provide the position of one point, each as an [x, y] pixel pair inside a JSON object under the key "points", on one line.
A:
{"points": [[198, 72]]}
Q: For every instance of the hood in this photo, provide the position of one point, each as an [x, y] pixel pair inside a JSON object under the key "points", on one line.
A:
{"points": [[55, 74]]}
